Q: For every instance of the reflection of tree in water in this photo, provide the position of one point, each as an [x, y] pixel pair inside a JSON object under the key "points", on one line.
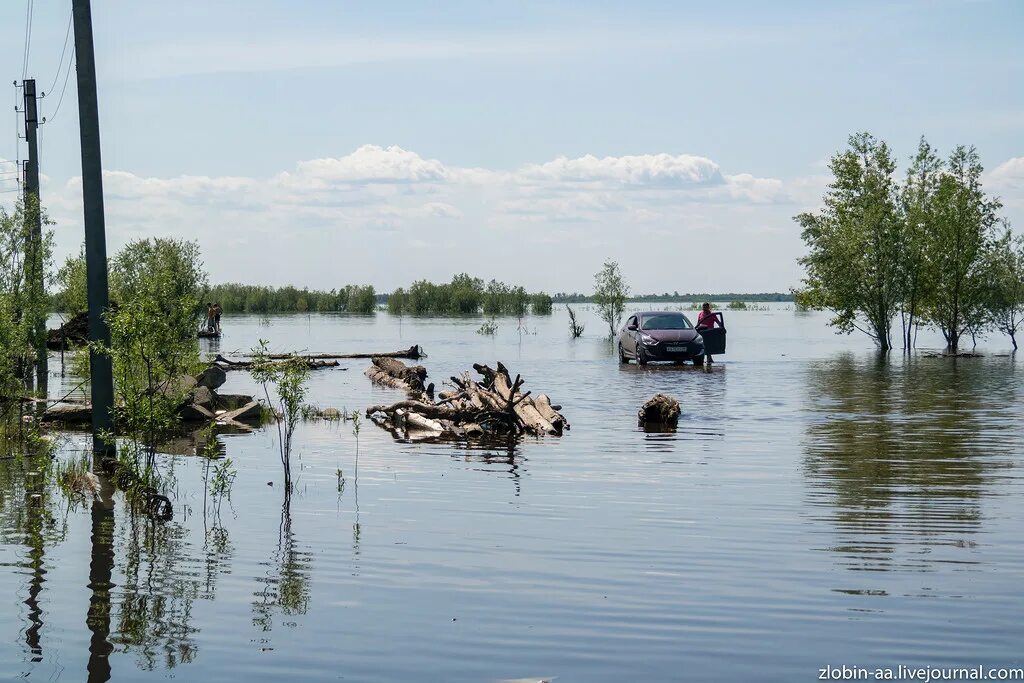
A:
{"points": [[901, 451], [286, 587], [154, 612], [30, 515]]}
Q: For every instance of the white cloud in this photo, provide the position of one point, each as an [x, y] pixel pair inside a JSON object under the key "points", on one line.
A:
{"points": [[642, 170], [1009, 175], [386, 215]]}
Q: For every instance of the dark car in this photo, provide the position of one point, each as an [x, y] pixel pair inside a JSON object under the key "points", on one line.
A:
{"points": [[660, 335]]}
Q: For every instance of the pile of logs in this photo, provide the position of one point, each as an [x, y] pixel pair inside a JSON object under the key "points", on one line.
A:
{"points": [[493, 405]]}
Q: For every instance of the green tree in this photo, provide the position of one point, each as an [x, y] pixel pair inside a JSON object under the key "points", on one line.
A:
{"points": [[1005, 270], [918, 202], [71, 297], [965, 220], [854, 264], [610, 292], [23, 307], [157, 284]]}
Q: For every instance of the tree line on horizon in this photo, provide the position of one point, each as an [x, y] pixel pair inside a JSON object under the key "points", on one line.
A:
{"points": [[932, 250], [758, 297]]}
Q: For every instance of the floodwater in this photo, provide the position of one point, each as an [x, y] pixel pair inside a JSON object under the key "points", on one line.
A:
{"points": [[817, 506]]}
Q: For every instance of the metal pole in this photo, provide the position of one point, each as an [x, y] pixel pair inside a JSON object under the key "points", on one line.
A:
{"points": [[33, 213], [101, 373]]}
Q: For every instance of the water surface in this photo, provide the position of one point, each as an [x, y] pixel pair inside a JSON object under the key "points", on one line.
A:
{"points": [[816, 505]]}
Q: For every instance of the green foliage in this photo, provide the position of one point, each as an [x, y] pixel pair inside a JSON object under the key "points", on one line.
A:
{"points": [[397, 302], [737, 305], [71, 297], [289, 379], [610, 292], [489, 328], [577, 298], [153, 338], [854, 267], [1005, 274], [234, 297], [466, 295], [360, 299], [23, 305], [540, 304], [917, 197], [965, 220]]}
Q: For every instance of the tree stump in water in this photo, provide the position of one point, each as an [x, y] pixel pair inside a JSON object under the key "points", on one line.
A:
{"points": [[660, 410]]}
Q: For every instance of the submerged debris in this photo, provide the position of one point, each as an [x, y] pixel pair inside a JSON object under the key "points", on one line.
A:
{"points": [[494, 405]]}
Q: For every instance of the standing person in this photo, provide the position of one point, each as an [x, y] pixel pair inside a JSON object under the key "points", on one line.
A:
{"points": [[217, 310], [209, 317], [706, 320]]}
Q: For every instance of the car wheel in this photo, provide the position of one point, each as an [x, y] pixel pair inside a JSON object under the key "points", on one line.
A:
{"points": [[641, 355], [622, 355], [698, 360]]}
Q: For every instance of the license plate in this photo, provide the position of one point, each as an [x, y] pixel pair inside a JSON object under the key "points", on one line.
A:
{"points": [[675, 349]]}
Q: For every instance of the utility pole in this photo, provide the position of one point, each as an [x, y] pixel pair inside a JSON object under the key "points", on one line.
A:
{"points": [[33, 213], [100, 370]]}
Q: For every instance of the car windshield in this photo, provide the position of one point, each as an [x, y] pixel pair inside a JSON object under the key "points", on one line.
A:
{"points": [[665, 321]]}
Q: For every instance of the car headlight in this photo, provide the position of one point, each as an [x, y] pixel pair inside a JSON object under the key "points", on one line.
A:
{"points": [[699, 340], [648, 339]]}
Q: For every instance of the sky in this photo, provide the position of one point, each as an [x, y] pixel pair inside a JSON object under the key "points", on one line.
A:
{"points": [[323, 142]]}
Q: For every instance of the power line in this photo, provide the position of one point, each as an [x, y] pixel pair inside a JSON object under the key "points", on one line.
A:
{"points": [[63, 51], [29, 6], [64, 87]]}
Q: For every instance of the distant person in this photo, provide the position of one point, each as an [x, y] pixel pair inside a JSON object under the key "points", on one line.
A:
{"points": [[210, 318], [217, 310], [707, 320]]}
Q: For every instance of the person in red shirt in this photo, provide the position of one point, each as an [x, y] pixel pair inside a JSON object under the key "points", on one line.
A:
{"points": [[707, 318]]}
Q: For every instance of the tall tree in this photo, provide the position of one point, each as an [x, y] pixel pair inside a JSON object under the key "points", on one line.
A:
{"points": [[856, 243], [610, 292], [1005, 275], [964, 229], [918, 199]]}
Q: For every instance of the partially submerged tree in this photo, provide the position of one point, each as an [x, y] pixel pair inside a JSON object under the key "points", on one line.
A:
{"points": [[1005, 270], [854, 267], [22, 304], [964, 229], [610, 292], [918, 203], [157, 284], [289, 379]]}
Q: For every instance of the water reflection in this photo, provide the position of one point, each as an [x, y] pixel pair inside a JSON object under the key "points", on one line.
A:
{"points": [[899, 453], [101, 569], [286, 587]]}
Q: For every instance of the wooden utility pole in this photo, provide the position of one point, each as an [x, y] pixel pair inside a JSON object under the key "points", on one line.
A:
{"points": [[101, 372], [34, 250]]}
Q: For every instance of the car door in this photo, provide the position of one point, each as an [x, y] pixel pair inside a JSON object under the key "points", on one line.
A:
{"points": [[632, 335]]}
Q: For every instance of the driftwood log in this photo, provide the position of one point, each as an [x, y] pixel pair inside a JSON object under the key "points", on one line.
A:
{"points": [[391, 372], [494, 405], [660, 410], [414, 352], [313, 364]]}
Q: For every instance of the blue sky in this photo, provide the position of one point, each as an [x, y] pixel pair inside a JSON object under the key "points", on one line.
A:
{"points": [[213, 112]]}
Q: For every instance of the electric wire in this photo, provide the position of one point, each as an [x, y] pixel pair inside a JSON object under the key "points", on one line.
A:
{"points": [[60, 100], [29, 6], [63, 51]]}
